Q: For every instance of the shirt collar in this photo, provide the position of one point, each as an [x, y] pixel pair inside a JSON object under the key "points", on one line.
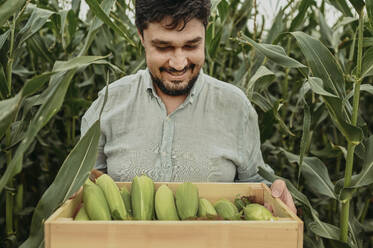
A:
{"points": [[193, 93]]}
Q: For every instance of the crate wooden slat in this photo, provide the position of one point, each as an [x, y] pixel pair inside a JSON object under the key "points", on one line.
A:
{"points": [[287, 232]]}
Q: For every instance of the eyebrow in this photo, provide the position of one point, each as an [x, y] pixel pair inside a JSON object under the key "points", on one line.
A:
{"points": [[162, 42]]}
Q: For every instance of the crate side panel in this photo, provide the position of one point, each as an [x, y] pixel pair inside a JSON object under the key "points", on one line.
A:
{"points": [[166, 235]]}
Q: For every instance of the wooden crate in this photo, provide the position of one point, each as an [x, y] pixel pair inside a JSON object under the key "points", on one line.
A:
{"points": [[287, 232]]}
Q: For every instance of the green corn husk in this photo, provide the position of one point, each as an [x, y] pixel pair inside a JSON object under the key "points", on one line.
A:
{"points": [[95, 203], [126, 196], [113, 197], [256, 211], [81, 215], [187, 200], [142, 198], [165, 204], [227, 210], [205, 208]]}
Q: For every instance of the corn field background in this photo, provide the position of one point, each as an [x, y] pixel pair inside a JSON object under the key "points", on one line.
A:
{"points": [[310, 83]]}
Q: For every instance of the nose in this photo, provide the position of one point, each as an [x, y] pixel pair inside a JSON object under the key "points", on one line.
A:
{"points": [[178, 61]]}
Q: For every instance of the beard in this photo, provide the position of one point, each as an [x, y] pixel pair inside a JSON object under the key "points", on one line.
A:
{"points": [[175, 92]]}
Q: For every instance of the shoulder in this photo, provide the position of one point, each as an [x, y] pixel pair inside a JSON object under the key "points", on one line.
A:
{"points": [[118, 91], [229, 95]]}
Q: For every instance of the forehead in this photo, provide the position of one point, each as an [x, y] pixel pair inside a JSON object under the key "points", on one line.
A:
{"points": [[158, 31]]}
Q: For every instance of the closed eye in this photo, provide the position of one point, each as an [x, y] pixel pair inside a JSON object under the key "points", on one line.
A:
{"points": [[164, 48], [190, 47]]}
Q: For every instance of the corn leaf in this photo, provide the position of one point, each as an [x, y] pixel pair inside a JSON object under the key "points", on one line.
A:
{"points": [[367, 42], [95, 25], [276, 29], [8, 8], [223, 8], [358, 5], [8, 110], [264, 104], [55, 95], [342, 6], [9, 107], [38, 46], [279, 119], [244, 13], [325, 67], [72, 174], [352, 133], [322, 63], [34, 84], [323, 229], [3, 83], [262, 78], [345, 21], [363, 88], [75, 62], [214, 5], [75, 5], [317, 86], [63, 16], [369, 7], [4, 37], [325, 31], [367, 65], [364, 178], [306, 137], [100, 13], [315, 173], [328, 231], [299, 18], [213, 46], [273, 52], [36, 21]]}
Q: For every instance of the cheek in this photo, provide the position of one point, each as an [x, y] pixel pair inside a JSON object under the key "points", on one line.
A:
{"points": [[155, 59], [197, 57]]}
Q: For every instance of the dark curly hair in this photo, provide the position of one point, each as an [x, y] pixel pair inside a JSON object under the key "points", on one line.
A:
{"points": [[181, 11]]}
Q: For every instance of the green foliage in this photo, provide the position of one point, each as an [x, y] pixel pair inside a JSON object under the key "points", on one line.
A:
{"points": [[304, 77]]}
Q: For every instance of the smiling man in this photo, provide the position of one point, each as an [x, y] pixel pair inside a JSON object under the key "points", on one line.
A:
{"points": [[171, 121]]}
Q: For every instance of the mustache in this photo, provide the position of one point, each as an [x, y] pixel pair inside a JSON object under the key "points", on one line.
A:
{"points": [[161, 69]]}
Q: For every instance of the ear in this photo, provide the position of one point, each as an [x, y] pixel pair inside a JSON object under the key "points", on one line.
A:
{"points": [[141, 37]]}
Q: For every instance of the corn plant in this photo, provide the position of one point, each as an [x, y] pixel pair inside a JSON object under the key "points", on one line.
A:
{"points": [[324, 76]]}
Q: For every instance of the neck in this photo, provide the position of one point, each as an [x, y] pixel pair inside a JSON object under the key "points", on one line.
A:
{"points": [[171, 102]]}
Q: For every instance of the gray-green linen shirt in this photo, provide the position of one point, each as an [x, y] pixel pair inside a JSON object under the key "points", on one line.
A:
{"points": [[210, 137]]}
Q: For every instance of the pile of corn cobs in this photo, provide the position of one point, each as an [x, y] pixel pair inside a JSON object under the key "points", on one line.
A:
{"points": [[103, 200]]}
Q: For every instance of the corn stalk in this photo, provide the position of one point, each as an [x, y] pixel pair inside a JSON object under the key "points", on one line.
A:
{"points": [[351, 147]]}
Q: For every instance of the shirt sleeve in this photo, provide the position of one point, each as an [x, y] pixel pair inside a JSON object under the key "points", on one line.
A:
{"points": [[90, 116], [249, 150]]}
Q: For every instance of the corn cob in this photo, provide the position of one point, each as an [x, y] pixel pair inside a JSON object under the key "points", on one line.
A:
{"points": [[205, 208], [142, 198], [95, 203], [227, 210], [113, 197], [82, 214], [126, 196], [187, 200], [165, 204], [256, 211]]}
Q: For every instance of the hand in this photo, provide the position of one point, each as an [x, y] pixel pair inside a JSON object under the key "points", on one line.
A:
{"points": [[279, 190]]}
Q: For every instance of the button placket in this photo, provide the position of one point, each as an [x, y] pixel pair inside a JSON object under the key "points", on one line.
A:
{"points": [[166, 148]]}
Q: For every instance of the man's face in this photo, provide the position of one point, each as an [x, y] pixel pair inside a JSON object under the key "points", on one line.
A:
{"points": [[174, 57]]}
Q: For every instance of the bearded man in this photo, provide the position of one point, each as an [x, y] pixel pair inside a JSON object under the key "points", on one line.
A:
{"points": [[172, 121]]}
